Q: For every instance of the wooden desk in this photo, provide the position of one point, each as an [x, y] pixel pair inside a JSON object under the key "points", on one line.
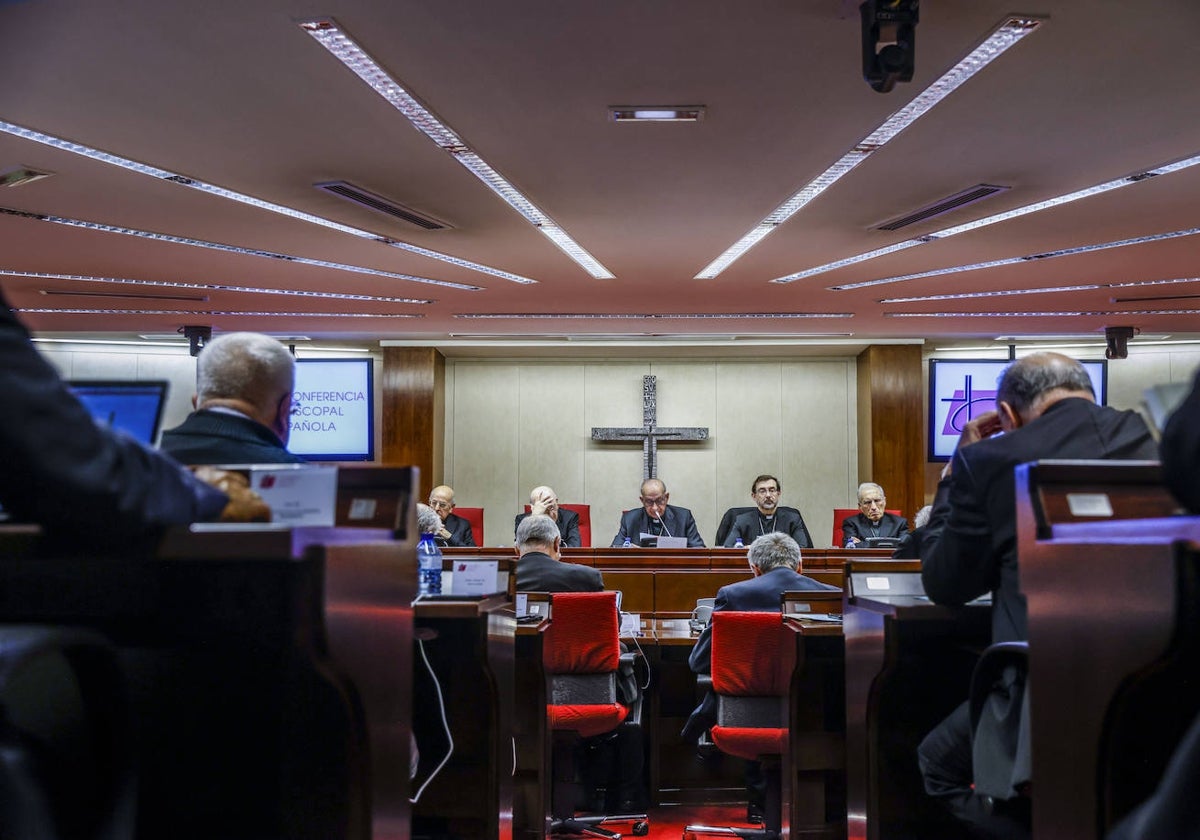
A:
{"points": [[531, 781], [908, 665], [245, 726], [469, 643], [1104, 605]]}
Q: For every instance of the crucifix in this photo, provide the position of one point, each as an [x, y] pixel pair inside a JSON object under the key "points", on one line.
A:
{"points": [[649, 433]]}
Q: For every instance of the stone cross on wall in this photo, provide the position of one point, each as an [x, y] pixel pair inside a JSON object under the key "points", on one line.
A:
{"points": [[649, 433]]}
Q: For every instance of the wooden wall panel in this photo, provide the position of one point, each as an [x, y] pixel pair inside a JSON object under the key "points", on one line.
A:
{"points": [[891, 449], [413, 384]]}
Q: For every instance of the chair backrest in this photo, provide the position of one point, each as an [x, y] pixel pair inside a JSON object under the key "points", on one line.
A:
{"points": [[732, 514], [475, 517], [839, 515], [583, 634], [753, 654], [585, 522]]}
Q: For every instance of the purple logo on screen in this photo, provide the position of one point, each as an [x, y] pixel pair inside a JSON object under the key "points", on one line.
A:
{"points": [[965, 404]]}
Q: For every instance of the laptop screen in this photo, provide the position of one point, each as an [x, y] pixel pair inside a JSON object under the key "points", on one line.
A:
{"points": [[135, 407]]}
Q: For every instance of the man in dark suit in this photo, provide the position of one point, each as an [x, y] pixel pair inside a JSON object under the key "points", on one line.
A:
{"points": [[243, 403], [1181, 450], [454, 530], [775, 561], [1046, 408], [543, 501], [538, 566], [86, 484], [872, 520], [768, 517], [656, 518]]}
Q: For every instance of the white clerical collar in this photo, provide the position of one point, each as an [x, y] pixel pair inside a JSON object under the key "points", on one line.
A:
{"points": [[224, 409]]}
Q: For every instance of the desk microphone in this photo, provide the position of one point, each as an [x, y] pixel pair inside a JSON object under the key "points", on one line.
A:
{"points": [[663, 525]]}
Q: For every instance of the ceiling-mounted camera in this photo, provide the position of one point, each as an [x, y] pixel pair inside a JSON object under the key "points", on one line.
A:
{"points": [[889, 41], [1117, 341], [198, 338]]}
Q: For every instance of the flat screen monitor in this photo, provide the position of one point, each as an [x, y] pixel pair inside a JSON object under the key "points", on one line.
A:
{"points": [[961, 389], [333, 410], [132, 406]]}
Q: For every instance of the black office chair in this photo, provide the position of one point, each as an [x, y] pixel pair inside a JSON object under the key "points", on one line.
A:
{"points": [[999, 704], [66, 747], [734, 512]]}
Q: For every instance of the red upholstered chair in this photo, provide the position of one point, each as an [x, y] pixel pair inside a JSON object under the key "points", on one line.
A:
{"points": [[475, 517], [585, 522], [581, 653], [839, 515], [753, 657]]}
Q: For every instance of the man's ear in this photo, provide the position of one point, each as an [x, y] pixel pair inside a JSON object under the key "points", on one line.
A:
{"points": [[194, 398], [557, 547], [283, 416], [1009, 418]]}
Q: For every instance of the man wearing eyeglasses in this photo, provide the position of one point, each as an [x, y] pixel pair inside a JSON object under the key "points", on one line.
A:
{"points": [[455, 530], [767, 517], [871, 520], [655, 518]]}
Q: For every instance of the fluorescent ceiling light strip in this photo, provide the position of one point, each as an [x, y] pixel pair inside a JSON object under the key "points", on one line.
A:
{"points": [[1104, 312], [181, 345], [327, 33], [222, 314], [232, 249], [222, 192], [1034, 347], [1047, 290], [582, 316], [215, 287], [1064, 252], [1005, 36]]}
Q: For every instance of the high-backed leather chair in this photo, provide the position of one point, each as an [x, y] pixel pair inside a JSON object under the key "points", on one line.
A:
{"points": [[475, 517], [581, 654], [753, 657], [733, 513]]}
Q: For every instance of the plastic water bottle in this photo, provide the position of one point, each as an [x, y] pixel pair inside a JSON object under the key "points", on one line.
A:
{"points": [[738, 543], [627, 543], [429, 563]]}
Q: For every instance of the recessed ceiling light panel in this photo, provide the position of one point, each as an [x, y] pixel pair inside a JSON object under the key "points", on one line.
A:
{"points": [[644, 113]]}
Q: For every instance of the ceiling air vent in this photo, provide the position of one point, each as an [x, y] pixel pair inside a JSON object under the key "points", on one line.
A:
{"points": [[368, 199], [945, 205]]}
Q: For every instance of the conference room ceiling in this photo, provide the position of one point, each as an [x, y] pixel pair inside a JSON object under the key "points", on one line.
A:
{"points": [[240, 96]]}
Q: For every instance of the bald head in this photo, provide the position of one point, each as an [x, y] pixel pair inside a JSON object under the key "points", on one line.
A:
{"points": [[1032, 384], [250, 373]]}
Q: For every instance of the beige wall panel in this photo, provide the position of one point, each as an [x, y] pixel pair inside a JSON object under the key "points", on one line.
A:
{"points": [[486, 441], [447, 476], [749, 417], [612, 471], [178, 370], [820, 439], [552, 435], [687, 396], [104, 366]]}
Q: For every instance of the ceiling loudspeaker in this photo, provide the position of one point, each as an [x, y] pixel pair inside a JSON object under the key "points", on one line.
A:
{"points": [[889, 41], [1117, 341]]}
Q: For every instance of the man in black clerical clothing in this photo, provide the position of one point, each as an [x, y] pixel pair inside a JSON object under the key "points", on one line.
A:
{"points": [[1046, 408], [544, 501], [774, 559], [872, 520], [768, 517], [454, 530], [243, 403], [656, 518], [539, 568]]}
